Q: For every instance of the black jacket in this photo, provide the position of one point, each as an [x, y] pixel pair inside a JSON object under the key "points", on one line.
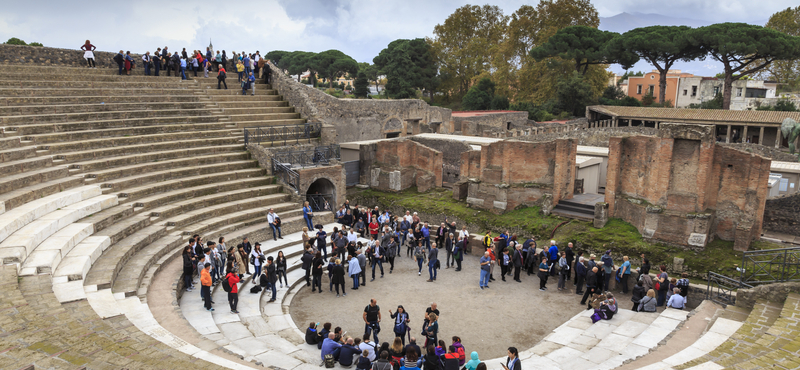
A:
{"points": [[346, 354], [431, 362], [188, 265], [271, 273], [638, 293], [312, 337], [591, 279], [307, 258], [516, 258], [338, 274]]}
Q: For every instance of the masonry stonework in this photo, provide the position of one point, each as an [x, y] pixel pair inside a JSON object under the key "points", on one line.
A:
{"points": [[507, 174], [395, 165], [360, 119], [37, 55], [682, 188]]}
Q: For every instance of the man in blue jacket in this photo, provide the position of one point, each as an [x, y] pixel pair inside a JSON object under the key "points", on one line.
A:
{"points": [[553, 256], [608, 266], [331, 347]]}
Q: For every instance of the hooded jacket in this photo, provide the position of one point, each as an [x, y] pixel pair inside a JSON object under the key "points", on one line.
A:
{"points": [[473, 361]]}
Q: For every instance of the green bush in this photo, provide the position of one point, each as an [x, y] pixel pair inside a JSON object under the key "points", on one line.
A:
{"points": [[35, 44], [15, 41], [715, 103], [499, 103]]}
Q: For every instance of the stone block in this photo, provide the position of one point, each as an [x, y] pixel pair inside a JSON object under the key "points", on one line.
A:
{"points": [[478, 202], [375, 177], [395, 181], [600, 215], [697, 240], [425, 183], [500, 205], [460, 190]]}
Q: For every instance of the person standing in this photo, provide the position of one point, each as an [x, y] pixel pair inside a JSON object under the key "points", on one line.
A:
{"points": [[377, 259], [272, 277], [544, 270], [505, 263], [625, 272], [183, 68], [251, 80], [233, 295], [433, 261], [337, 277], [485, 261], [516, 260], [307, 214], [608, 268], [146, 63], [354, 269], [321, 238], [419, 257], [257, 259], [458, 253], [552, 255], [88, 54], [280, 268], [449, 244], [563, 272], [591, 284], [316, 272], [221, 76], [307, 258], [239, 257], [663, 282], [580, 275], [432, 330], [401, 321], [570, 259], [391, 252], [206, 282], [372, 319], [274, 224], [120, 60], [156, 62]]}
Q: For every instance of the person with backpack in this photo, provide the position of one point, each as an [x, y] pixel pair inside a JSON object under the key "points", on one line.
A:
{"points": [[383, 362], [120, 60], [450, 359], [330, 350], [401, 321], [431, 361], [369, 347], [230, 286], [460, 351], [221, 75], [649, 302], [372, 319]]}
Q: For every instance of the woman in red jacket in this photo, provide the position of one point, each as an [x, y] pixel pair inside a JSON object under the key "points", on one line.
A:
{"points": [[233, 295]]}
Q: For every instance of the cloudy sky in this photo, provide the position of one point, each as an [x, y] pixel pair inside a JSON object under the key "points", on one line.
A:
{"points": [[360, 28]]}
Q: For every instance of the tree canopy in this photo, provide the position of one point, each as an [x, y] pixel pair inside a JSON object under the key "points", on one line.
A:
{"points": [[332, 64], [361, 85], [660, 46], [785, 71], [17, 41], [744, 49], [408, 65], [584, 45]]}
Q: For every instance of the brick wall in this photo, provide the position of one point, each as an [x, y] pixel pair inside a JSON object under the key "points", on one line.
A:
{"points": [[783, 214], [682, 188], [399, 164], [510, 173]]}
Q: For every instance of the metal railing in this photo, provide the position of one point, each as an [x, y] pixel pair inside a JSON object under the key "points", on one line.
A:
{"points": [[286, 174], [319, 202], [771, 266], [285, 134], [319, 156], [720, 288]]}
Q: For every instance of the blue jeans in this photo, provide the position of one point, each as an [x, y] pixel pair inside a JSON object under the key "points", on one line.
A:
{"points": [[183, 73], [419, 262], [120, 68], [273, 230], [368, 329], [432, 269], [147, 68], [355, 281], [376, 262], [308, 223], [256, 271], [484, 278], [272, 286], [428, 243], [403, 237]]}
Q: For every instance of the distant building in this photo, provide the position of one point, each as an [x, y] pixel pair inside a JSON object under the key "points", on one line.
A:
{"points": [[746, 94], [639, 86]]}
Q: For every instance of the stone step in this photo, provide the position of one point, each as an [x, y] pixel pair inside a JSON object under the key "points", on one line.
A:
{"points": [[228, 211], [243, 112], [34, 189], [80, 92], [104, 271], [166, 212], [25, 165], [188, 96], [236, 118], [38, 83], [16, 248], [234, 94], [47, 128], [212, 90], [76, 264], [18, 217], [130, 275], [144, 148], [224, 105], [33, 110], [9, 142], [16, 154], [179, 173], [157, 202], [139, 169], [178, 182], [20, 119], [44, 258], [61, 137], [126, 226], [58, 76], [277, 122], [232, 222], [170, 137], [127, 160]]}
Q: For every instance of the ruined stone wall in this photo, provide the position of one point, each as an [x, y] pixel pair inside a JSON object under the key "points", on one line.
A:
{"points": [[358, 119], [335, 174], [38, 55], [782, 214], [593, 136], [500, 120], [682, 188], [510, 173], [400, 164], [451, 155]]}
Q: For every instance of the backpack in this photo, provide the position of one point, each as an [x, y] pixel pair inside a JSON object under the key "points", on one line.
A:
{"points": [[226, 285], [255, 289], [222, 75], [462, 356], [118, 58], [395, 363], [329, 361]]}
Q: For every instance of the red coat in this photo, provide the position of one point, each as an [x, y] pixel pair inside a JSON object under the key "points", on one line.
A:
{"points": [[233, 279]]}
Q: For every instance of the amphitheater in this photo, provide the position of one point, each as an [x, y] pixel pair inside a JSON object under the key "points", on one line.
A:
{"points": [[103, 178]]}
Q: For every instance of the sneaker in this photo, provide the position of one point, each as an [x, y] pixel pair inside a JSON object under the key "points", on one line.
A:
{"points": [[344, 294], [280, 237], [481, 288], [419, 273], [337, 295], [541, 289], [382, 276], [232, 311], [430, 280], [211, 309]]}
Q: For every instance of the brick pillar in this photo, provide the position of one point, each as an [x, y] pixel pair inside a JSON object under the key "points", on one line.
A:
{"points": [[761, 136], [728, 134]]}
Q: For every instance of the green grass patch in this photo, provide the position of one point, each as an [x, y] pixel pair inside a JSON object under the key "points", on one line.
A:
{"points": [[619, 236]]}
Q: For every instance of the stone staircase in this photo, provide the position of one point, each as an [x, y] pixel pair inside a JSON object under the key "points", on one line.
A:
{"points": [[102, 180]]}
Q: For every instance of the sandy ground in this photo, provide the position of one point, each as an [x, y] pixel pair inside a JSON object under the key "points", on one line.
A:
{"points": [[488, 321]]}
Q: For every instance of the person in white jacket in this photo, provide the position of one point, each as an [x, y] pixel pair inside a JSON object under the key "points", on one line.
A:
{"points": [[354, 270]]}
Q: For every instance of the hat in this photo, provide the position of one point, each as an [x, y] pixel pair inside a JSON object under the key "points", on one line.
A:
{"points": [[592, 256], [600, 263], [318, 226], [608, 251]]}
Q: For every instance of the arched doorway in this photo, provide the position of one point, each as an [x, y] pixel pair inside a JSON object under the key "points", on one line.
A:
{"points": [[321, 195]]}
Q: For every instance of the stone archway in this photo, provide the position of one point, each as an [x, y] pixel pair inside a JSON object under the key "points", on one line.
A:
{"points": [[321, 194], [392, 127]]}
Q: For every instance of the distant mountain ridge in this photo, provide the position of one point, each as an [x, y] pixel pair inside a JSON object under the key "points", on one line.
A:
{"points": [[624, 22]]}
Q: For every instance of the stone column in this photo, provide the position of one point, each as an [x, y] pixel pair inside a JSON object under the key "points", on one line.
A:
{"points": [[404, 131], [777, 137], [761, 136], [630, 122], [728, 135], [744, 134]]}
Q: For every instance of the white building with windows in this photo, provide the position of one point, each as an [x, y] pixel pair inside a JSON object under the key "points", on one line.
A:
{"points": [[746, 94]]}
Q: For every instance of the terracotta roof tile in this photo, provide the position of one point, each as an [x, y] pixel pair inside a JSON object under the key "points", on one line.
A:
{"points": [[711, 116]]}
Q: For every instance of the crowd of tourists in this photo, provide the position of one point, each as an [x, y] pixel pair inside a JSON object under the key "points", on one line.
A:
{"points": [[368, 353], [247, 66]]}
